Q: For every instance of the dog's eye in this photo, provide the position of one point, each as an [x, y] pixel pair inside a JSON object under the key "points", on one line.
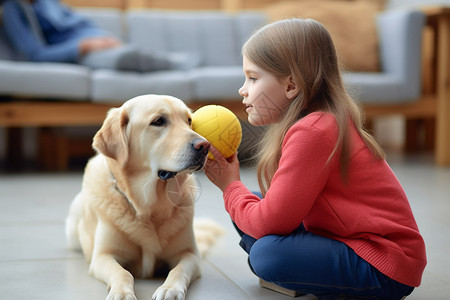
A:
{"points": [[160, 121], [190, 121]]}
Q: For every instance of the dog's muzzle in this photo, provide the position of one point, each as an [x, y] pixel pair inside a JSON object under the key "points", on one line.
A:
{"points": [[199, 150]]}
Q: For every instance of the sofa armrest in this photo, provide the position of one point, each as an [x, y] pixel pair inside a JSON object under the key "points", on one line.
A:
{"points": [[400, 36]]}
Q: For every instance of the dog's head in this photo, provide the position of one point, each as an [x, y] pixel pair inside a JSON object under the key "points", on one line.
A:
{"points": [[152, 132]]}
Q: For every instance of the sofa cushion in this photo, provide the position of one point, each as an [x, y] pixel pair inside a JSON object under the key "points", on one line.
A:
{"points": [[217, 83], [44, 80], [116, 86], [351, 24], [211, 35], [376, 88]]}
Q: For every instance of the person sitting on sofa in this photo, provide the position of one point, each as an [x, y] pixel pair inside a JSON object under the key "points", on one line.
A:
{"points": [[49, 31]]}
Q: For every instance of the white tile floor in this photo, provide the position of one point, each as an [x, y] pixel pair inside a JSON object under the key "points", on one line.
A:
{"points": [[35, 264]]}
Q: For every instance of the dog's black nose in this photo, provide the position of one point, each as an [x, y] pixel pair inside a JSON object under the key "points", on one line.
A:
{"points": [[201, 145]]}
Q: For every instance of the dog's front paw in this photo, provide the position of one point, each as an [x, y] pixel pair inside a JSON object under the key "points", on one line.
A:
{"points": [[121, 295], [169, 293]]}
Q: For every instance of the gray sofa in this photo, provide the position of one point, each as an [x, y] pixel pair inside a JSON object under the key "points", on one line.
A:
{"points": [[216, 38]]}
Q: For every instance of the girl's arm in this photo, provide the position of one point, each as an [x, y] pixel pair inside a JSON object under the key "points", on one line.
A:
{"points": [[302, 174]]}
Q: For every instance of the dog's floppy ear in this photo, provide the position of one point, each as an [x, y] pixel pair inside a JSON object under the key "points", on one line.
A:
{"points": [[112, 140]]}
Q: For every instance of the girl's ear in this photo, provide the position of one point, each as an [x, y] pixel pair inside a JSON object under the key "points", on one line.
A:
{"points": [[291, 88]]}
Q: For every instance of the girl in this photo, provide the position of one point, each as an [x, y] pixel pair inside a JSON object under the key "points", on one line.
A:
{"points": [[333, 219]]}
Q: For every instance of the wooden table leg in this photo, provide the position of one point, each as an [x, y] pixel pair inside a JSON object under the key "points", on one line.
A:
{"points": [[14, 149], [443, 90]]}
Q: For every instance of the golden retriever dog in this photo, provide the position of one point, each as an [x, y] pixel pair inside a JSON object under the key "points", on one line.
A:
{"points": [[135, 211]]}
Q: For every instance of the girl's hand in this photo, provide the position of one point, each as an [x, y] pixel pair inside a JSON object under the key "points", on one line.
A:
{"points": [[222, 171]]}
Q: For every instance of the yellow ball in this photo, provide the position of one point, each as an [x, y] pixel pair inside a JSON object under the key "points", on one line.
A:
{"points": [[220, 127]]}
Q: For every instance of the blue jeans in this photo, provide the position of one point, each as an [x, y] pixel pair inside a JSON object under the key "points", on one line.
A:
{"points": [[312, 264]]}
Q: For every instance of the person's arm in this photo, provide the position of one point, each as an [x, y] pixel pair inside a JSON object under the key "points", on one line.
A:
{"points": [[302, 174], [23, 39]]}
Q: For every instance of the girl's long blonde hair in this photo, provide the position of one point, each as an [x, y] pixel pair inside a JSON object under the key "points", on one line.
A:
{"points": [[304, 50]]}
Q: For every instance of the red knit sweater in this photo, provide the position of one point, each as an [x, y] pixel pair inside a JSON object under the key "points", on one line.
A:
{"points": [[370, 212]]}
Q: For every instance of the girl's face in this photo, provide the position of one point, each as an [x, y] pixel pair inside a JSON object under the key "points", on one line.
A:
{"points": [[265, 95]]}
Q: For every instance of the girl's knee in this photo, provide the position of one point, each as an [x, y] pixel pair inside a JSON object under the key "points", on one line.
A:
{"points": [[265, 257]]}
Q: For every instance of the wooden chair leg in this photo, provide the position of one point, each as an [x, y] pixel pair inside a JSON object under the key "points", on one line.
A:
{"points": [[411, 135], [430, 134]]}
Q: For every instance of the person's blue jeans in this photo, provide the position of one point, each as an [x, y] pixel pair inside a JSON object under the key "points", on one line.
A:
{"points": [[312, 264]]}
